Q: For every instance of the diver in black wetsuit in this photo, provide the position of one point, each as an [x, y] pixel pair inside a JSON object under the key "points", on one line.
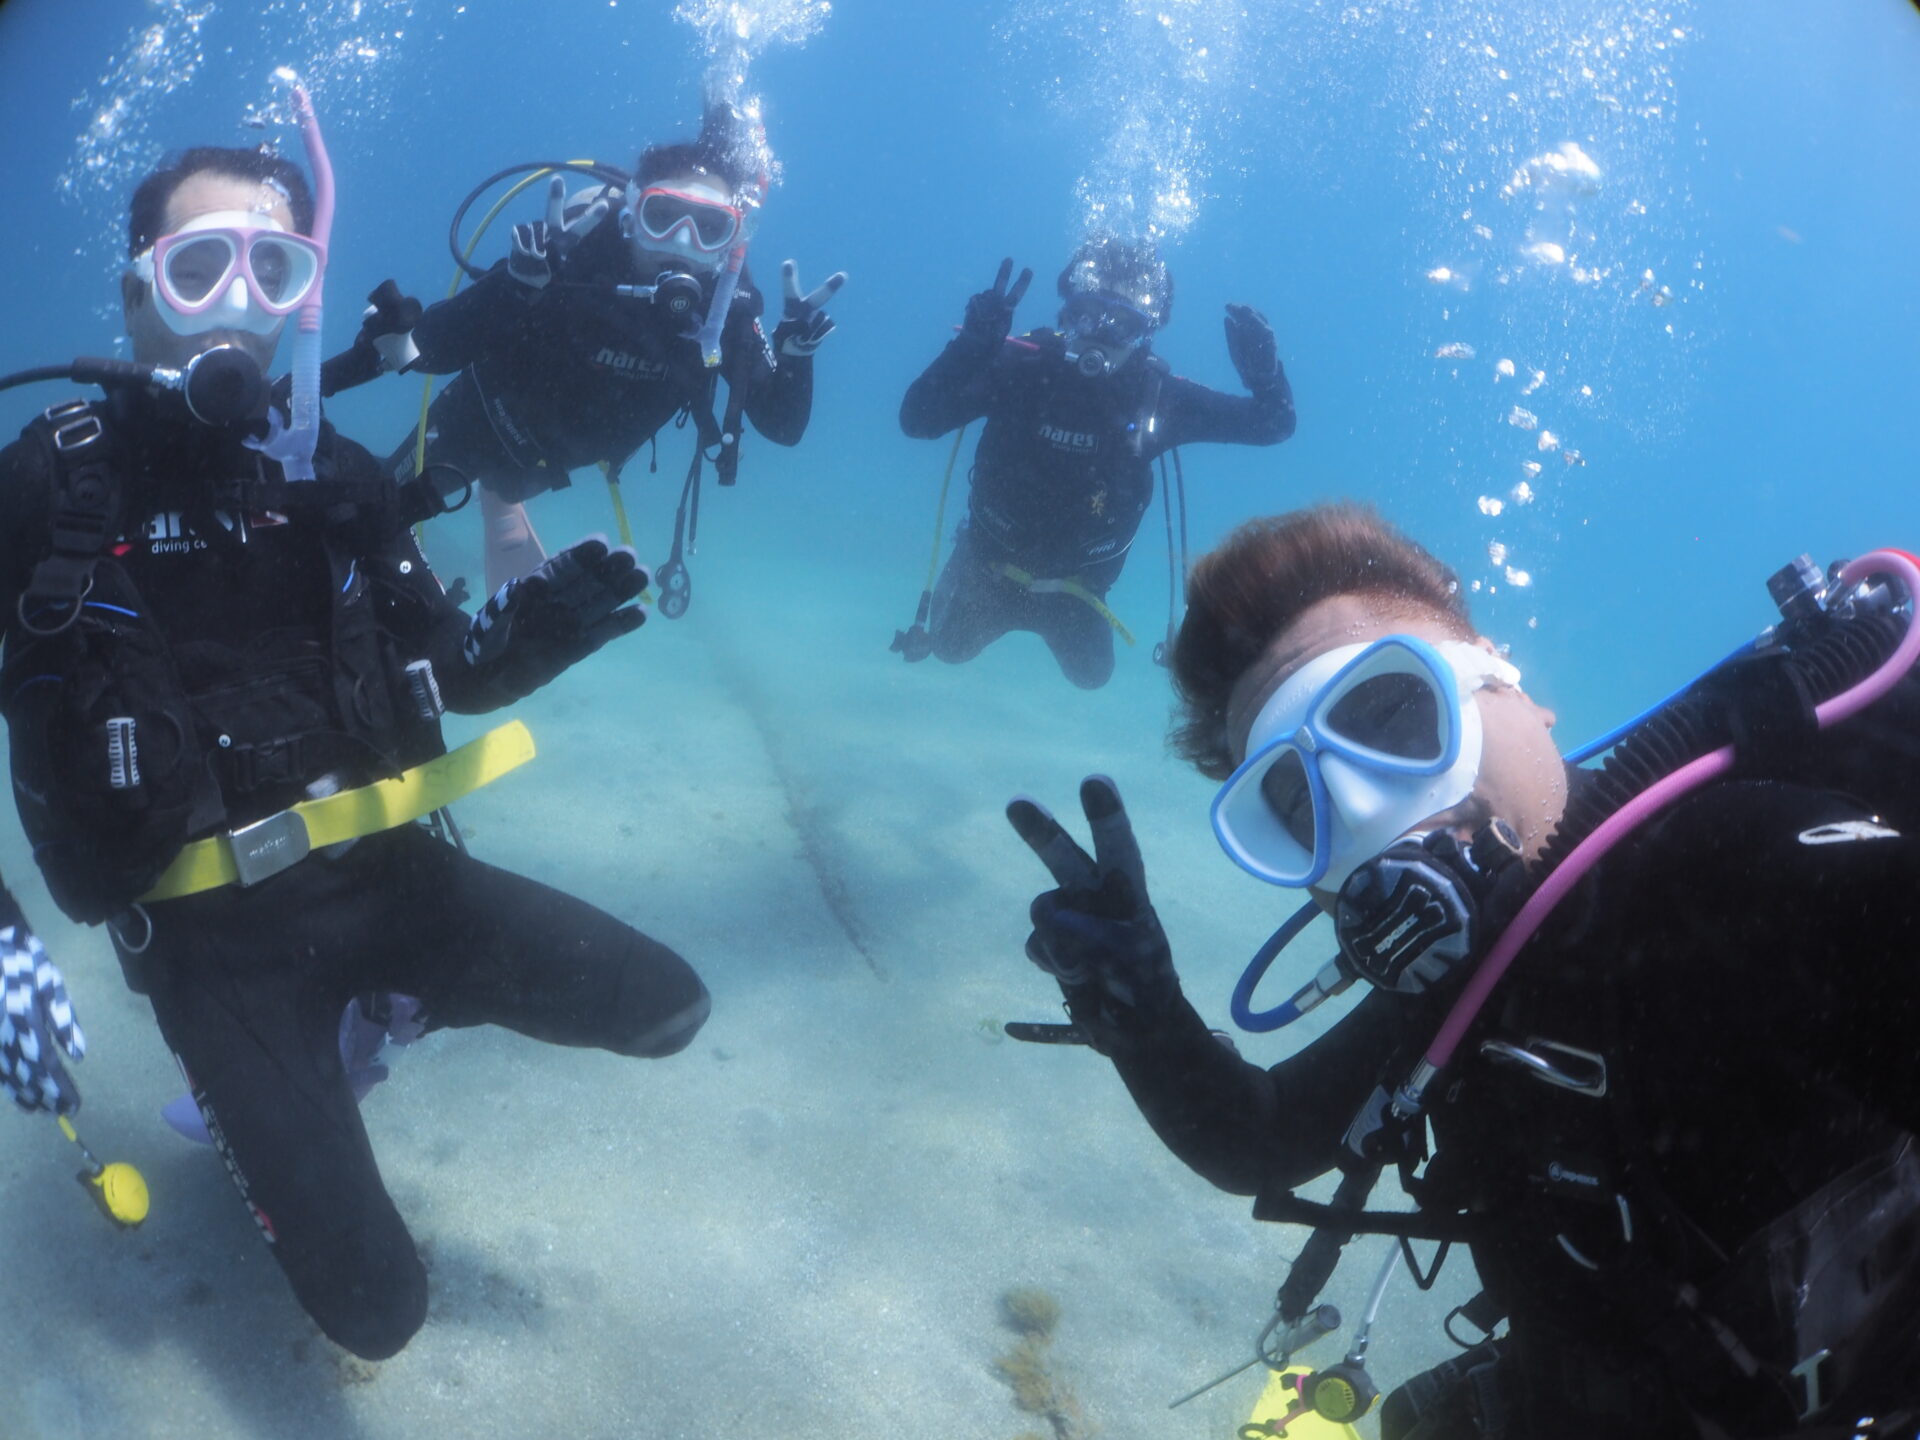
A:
{"points": [[1063, 472], [1679, 1138], [222, 688], [557, 369]]}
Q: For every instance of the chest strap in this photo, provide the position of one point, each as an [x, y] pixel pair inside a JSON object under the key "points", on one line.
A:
{"points": [[262, 850]]}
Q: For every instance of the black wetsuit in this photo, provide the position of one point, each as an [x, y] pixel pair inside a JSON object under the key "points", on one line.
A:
{"points": [[1061, 478], [248, 985], [1748, 965], [573, 374]]}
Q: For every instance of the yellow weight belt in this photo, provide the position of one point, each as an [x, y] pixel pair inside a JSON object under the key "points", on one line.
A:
{"points": [[1026, 580], [256, 852]]}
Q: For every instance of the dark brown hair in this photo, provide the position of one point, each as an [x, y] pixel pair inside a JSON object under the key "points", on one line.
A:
{"points": [[148, 211], [1243, 594], [657, 162]]}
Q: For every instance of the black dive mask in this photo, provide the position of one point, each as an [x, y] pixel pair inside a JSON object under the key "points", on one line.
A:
{"points": [[1102, 332]]}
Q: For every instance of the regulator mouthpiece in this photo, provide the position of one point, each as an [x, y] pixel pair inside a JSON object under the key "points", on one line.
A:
{"points": [[679, 295], [222, 386]]}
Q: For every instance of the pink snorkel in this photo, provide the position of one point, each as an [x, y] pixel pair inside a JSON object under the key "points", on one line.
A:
{"points": [[292, 444], [1656, 797]]}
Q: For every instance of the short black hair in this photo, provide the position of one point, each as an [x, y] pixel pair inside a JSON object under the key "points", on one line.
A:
{"points": [[687, 157], [148, 211]]}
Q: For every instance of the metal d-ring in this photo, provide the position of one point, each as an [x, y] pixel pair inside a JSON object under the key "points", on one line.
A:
{"points": [[141, 948], [79, 603]]}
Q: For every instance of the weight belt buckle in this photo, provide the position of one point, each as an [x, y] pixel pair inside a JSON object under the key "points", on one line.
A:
{"points": [[266, 847]]}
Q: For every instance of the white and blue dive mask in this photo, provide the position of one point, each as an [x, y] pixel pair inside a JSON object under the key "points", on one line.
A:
{"points": [[1358, 747]]}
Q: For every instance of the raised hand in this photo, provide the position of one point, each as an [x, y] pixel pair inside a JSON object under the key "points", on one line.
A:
{"points": [[1251, 347], [804, 322], [538, 249], [1096, 933], [990, 313], [535, 627]]}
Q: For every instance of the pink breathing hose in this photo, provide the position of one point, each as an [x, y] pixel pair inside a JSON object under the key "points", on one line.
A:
{"points": [[1648, 802]]}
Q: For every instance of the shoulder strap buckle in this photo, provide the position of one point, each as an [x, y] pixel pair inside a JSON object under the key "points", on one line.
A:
{"points": [[71, 435], [84, 506]]}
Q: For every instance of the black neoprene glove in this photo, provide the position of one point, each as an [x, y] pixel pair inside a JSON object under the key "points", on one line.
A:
{"points": [[990, 313], [1097, 933], [804, 321], [535, 627], [1251, 347], [386, 325], [385, 342], [538, 249]]}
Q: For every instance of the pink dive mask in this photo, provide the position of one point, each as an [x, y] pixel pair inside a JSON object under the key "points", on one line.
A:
{"points": [[231, 270]]}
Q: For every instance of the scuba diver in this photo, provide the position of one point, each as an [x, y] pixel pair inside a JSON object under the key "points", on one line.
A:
{"points": [[224, 667], [1063, 471], [1639, 1036], [588, 337]]}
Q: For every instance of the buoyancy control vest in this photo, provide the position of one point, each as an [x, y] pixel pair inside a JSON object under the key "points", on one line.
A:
{"points": [[116, 764], [1577, 1233], [1062, 479], [1802, 1309]]}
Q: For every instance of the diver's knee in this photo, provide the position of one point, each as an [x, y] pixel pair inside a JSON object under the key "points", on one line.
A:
{"points": [[1090, 676], [370, 1310], [661, 1038], [954, 645]]}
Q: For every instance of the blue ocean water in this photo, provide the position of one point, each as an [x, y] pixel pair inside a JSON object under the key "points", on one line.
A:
{"points": [[1692, 346], [1339, 154]]}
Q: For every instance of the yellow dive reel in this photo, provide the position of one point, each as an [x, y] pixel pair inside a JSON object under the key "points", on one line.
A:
{"points": [[118, 1189]]}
